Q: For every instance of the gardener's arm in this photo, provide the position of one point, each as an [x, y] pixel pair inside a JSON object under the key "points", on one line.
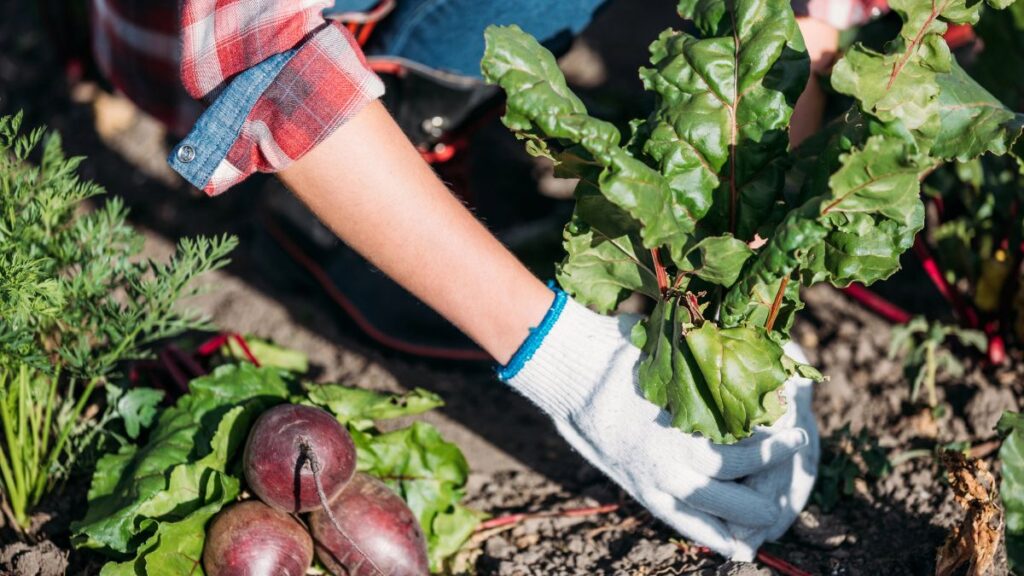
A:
{"points": [[370, 185], [310, 113], [820, 23], [822, 41]]}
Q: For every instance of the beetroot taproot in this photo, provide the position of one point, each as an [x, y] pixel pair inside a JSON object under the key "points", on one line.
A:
{"points": [[372, 533], [252, 539], [293, 453]]}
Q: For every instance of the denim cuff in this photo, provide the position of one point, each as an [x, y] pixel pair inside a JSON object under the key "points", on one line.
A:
{"points": [[198, 155]]}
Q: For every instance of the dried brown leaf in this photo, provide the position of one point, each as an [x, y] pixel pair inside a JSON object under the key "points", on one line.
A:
{"points": [[975, 540]]}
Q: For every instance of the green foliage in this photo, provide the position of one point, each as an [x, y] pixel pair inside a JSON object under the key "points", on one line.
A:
{"points": [[1011, 488], [920, 342], [687, 195], [847, 457], [267, 354], [150, 501], [76, 299], [429, 474]]}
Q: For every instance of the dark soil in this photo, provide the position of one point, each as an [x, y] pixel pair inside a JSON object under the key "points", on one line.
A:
{"points": [[891, 526]]}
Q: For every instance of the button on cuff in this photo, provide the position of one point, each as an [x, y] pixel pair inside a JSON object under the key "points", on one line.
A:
{"points": [[186, 154]]}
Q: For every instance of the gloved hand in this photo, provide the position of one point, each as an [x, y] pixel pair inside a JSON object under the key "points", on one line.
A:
{"points": [[789, 484], [581, 369]]}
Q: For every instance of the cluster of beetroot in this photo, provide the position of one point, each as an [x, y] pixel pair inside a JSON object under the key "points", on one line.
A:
{"points": [[300, 459]]}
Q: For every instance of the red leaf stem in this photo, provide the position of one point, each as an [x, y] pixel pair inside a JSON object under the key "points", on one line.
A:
{"points": [[214, 344], [773, 562], [959, 35], [780, 565], [996, 343], [877, 304], [773, 314], [211, 346], [245, 349], [966, 313], [193, 367], [659, 271], [511, 519], [172, 368]]}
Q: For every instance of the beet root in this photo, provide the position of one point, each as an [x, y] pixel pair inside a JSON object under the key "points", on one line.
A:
{"points": [[288, 447], [376, 535], [252, 539]]}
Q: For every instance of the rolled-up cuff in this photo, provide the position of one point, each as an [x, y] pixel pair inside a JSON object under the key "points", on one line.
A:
{"points": [[567, 362], [275, 112]]}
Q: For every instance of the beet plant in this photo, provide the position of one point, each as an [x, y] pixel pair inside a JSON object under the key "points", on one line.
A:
{"points": [[253, 539], [298, 458], [369, 531], [159, 504], [973, 248], [703, 207], [76, 300]]}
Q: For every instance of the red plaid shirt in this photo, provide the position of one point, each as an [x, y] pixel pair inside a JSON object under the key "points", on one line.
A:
{"points": [[168, 59], [165, 59]]}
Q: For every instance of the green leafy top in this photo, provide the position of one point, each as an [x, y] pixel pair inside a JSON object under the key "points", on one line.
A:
{"points": [[74, 295], [150, 501], [1011, 488], [675, 211]]}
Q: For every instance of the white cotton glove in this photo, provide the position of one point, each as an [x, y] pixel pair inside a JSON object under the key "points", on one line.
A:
{"points": [[789, 484], [581, 369]]}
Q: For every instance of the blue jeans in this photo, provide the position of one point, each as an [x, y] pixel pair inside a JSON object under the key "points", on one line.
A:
{"points": [[449, 34]]}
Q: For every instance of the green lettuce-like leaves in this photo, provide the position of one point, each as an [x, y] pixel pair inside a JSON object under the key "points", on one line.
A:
{"points": [[1011, 488], [721, 259], [541, 106], [605, 257], [359, 408], [706, 211], [713, 150], [726, 98], [670, 377], [973, 122], [716, 382], [918, 84], [137, 407], [750, 301], [149, 503], [430, 474], [136, 487]]}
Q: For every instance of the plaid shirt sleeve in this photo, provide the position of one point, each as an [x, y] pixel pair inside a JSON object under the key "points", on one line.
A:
{"points": [[279, 79]]}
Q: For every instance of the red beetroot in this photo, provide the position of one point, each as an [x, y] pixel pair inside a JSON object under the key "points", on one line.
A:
{"points": [[252, 539], [376, 533], [288, 447]]}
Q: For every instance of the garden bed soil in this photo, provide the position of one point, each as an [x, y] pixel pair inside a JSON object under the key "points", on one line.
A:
{"points": [[892, 526]]}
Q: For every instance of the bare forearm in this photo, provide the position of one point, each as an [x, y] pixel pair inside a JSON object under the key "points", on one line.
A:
{"points": [[822, 43], [370, 186]]}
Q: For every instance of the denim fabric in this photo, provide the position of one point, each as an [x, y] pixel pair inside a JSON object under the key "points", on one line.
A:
{"points": [[198, 155], [449, 34], [342, 6], [442, 34]]}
